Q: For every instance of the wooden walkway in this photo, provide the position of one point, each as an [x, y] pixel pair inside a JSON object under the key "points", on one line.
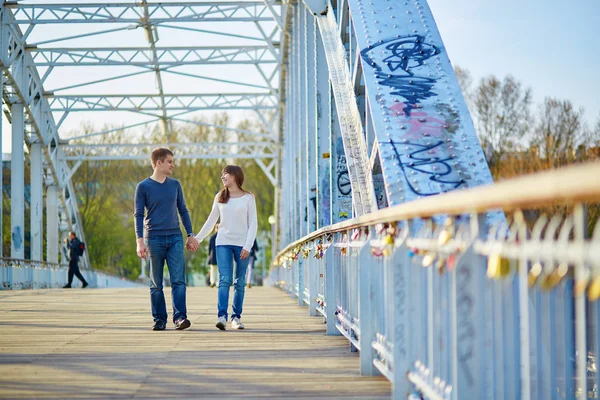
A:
{"points": [[97, 343]]}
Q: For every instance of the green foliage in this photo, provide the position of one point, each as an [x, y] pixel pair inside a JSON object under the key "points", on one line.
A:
{"points": [[106, 190]]}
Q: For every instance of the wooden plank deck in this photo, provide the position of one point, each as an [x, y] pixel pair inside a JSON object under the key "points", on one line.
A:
{"points": [[97, 343]]}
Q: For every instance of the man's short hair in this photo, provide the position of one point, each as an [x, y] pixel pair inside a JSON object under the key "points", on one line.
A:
{"points": [[160, 154], [72, 233]]}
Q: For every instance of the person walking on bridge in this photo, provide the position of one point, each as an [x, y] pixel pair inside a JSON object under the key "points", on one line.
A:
{"points": [[74, 246], [159, 237], [236, 209], [212, 258]]}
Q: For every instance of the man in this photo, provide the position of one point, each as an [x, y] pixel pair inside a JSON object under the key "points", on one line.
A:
{"points": [[73, 245], [159, 237]]}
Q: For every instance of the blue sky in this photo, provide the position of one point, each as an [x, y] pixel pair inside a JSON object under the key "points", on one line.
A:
{"points": [[552, 46]]}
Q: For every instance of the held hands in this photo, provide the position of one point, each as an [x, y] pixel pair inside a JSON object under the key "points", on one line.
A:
{"points": [[142, 249], [244, 254], [192, 243]]}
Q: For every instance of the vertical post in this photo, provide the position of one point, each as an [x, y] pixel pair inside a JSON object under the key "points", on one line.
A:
{"points": [[311, 139], [331, 284], [470, 314], [366, 310], [323, 134], [313, 288], [36, 208], [580, 314], [17, 180], [1, 161], [52, 223], [401, 335], [301, 263]]}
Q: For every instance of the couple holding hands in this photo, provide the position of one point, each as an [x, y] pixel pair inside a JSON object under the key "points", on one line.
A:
{"points": [[159, 203]]}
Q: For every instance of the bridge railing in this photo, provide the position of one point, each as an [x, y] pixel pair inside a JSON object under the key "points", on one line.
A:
{"points": [[467, 295], [18, 274]]}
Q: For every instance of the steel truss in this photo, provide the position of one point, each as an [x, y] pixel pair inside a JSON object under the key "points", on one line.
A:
{"points": [[25, 49], [143, 57], [150, 102], [210, 11]]}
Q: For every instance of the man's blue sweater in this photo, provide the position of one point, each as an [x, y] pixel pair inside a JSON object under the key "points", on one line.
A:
{"points": [[161, 201]]}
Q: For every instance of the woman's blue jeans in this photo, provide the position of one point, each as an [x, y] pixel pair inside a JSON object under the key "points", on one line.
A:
{"points": [[225, 256]]}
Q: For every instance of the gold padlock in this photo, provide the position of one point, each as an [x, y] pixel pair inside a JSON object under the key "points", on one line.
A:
{"points": [[555, 277], [581, 282], [498, 267], [534, 273], [428, 259], [444, 237], [388, 239], [594, 289]]}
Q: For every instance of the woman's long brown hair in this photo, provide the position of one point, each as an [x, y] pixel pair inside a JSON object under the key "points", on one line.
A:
{"points": [[238, 176]]}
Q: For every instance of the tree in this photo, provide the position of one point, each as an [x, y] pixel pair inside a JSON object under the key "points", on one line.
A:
{"points": [[502, 114], [558, 132]]}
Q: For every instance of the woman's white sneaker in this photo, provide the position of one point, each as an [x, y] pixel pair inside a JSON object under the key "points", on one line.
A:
{"points": [[236, 323], [221, 322]]}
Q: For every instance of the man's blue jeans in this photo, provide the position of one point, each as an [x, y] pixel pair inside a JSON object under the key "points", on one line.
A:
{"points": [[225, 257], [170, 249]]}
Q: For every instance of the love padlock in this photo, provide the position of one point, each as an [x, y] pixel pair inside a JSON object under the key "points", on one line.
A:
{"points": [[555, 277], [452, 258], [580, 286], [388, 239], [594, 289], [444, 237], [428, 259], [534, 273], [498, 267]]}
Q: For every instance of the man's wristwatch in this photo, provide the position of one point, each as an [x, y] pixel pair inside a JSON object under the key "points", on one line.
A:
{"points": [[190, 235]]}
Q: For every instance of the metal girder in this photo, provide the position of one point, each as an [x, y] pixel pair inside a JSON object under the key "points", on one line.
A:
{"points": [[426, 139], [151, 102], [206, 150], [23, 85], [142, 56], [209, 11]]}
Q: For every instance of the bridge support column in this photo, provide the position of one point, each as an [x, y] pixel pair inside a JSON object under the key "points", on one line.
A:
{"points": [[52, 223], [313, 285], [1, 164], [366, 311], [311, 138], [17, 183], [302, 262], [330, 293], [323, 136], [36, 208]]}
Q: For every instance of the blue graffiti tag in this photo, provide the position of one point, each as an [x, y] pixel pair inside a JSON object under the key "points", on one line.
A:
{"points": [[420, 159], [17, 238], [396, 70]]}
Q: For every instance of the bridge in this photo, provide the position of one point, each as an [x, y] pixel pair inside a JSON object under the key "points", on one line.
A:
{"points": [[404, 270]]}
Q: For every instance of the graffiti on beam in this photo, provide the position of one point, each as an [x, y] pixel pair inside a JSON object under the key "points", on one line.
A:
{"points": [[17, 238], [343, 188], [422, 164], [396, 61]]}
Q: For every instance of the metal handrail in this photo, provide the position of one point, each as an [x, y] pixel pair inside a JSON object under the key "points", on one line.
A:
{"points": [[579, 183]]}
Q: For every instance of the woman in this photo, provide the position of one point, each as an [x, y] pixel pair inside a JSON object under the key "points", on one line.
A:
{"points": [[236, 209]]}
